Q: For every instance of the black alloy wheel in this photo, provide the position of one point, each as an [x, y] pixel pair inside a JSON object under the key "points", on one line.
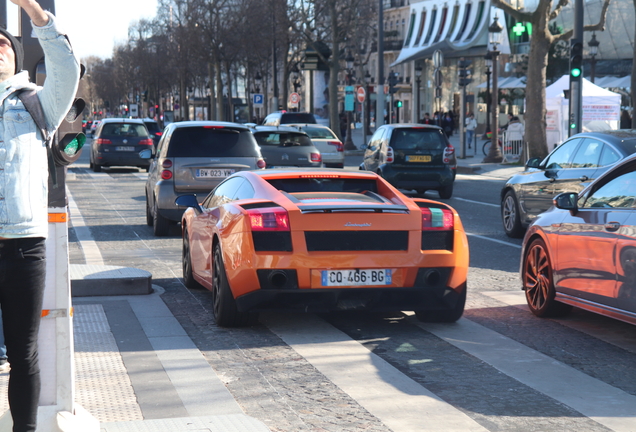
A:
{"points": [[510, 216], [444, 316], [538, 283], [226, 314]]}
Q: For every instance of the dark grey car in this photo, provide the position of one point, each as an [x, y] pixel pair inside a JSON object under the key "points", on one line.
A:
{"points": [[285, 146], [193, 157], [117, 142], [569, 168]]}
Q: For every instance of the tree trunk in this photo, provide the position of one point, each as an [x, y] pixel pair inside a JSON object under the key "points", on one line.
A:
{"points": [[220, 115], [212, 101], [535, 127]]}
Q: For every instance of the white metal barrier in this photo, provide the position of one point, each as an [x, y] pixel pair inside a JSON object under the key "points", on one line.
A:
{"points": [[512, 149]]}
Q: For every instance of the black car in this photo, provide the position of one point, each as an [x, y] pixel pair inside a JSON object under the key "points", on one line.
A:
{"points": [[154, 129], [286, 146], [118, 141], [569, 168], [582, 252], [412, 156], [283, 117]]}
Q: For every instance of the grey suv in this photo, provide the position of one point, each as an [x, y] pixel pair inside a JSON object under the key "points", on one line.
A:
{"points": [[192, 158]]}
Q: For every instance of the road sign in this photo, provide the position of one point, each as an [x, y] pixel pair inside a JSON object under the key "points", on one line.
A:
{"points": [[438, 59], [294, 99], [257, 100], [361, 94], [134, 110]]}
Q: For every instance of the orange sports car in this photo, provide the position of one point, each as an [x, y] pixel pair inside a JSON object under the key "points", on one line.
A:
{"points": [[322, 240]]}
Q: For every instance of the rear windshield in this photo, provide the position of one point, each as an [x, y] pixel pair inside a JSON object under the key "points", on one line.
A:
{"points": [[297, 118], [130, 130], [294, 185], [152, 126], [319, 133], [212, 142], [417, 139], [284, 139]]}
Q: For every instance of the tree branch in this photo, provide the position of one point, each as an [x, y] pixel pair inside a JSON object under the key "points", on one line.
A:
{"points": [[517, 14], [600, 26], [557, 10]]}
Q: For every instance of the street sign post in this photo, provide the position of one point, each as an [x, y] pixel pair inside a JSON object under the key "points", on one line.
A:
{"points": [[257, 100], [294, 100], [361, 94]]}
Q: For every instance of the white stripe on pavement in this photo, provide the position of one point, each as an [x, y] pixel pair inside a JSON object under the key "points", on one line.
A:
{"points": [[92, 255], [607, 405], [494, 240], [395, 399], [476, 202]]}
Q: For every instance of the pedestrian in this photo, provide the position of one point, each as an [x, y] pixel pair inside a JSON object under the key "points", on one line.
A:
{"points": [[505, 127], [4, 363], [471, 125], [24, 209], [427, 119], [343, 126], [514, 136], [626, 120], [448, 124], [437, 119]]}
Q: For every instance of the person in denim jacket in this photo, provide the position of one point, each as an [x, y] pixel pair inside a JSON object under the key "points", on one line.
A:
{"points": [[24, 199]]}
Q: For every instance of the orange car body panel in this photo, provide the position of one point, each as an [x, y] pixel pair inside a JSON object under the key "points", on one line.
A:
{"points": [[241, 260]]}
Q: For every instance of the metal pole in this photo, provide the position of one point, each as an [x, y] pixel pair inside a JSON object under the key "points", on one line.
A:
{"points": [[380, 99], [462, 121], [419, 83], [494, 155], [576, 87], [3, 14], [593, 71], [487, 101]]}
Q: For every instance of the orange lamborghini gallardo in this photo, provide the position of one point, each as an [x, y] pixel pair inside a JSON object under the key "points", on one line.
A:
{"points": [[322, 240]]}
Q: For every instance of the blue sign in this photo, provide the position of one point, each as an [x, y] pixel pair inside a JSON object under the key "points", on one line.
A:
{"points": [[257, 99], [349, 96]]}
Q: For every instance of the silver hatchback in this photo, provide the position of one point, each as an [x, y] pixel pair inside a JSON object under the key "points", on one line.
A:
{"points": [[193, 157]]}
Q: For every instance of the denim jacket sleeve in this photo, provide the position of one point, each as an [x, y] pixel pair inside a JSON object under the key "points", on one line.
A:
{"points": [[62, 73]]}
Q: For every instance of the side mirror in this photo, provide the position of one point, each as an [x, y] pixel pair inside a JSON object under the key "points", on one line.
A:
{"points": [[145, 154], [533, 162], [188, 201], [364, 147], [567, 201]]}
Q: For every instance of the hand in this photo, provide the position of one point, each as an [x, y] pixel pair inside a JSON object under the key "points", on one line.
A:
{"points": [[34, 10]]}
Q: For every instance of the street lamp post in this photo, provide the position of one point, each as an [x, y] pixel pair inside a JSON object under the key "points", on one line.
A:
{"points": [[349, 145], [257, 89], [488, 61], [495, 37], [418, 81], [367, 111], [593, 44], [296, 82]]}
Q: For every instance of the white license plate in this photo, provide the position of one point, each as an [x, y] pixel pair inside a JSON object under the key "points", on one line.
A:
{"points": [[125, 148], [356, 277], [214, 173]]}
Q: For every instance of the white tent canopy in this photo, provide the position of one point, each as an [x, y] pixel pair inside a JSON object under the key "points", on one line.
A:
{"points": [[601, 109], [614, 82]]}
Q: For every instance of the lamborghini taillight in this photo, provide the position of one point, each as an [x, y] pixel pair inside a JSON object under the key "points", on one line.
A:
{"points": [[268, 219]]}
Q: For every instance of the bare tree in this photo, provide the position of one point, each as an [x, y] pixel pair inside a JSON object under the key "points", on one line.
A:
{"points": [[540, 44]]}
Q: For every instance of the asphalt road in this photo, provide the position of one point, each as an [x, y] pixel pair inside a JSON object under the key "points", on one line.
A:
{"points": [[498, 369]]}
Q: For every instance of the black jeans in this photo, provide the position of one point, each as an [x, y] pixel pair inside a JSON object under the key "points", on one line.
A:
{"points": [[22, 278]]}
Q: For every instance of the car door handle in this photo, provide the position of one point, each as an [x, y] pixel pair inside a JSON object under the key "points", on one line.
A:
{"points": [[612, 226], [584, 178]]}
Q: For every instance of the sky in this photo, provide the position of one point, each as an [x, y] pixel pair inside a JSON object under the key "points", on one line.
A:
{"points": [[95, 26]]}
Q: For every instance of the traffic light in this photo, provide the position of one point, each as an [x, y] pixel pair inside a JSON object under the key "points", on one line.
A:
{"points": [[393, 81], [576, 60], [572, 121], [463, 72], [146, 96], [398, 104]]}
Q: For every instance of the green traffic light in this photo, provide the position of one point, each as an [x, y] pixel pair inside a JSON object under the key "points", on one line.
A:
{"points": [[573, 126], [576, 72]]}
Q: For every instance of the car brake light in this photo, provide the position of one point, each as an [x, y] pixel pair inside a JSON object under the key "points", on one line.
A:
{"points": [[158, 134], [317, 176], [434, 219], [147, 141], [103, 141], [269, 219], [167, 163], [166, 174], [338, 144], [261, 163], [213, 127], [389, 155], [315, 157]]}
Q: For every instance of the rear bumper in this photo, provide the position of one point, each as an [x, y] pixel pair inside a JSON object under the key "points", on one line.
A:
{"points": [[417, 178], [121, 159], [166, 195], [427, 294]]}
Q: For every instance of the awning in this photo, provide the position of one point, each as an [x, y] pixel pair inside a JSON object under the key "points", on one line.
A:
{"points": [[506, 83]]}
